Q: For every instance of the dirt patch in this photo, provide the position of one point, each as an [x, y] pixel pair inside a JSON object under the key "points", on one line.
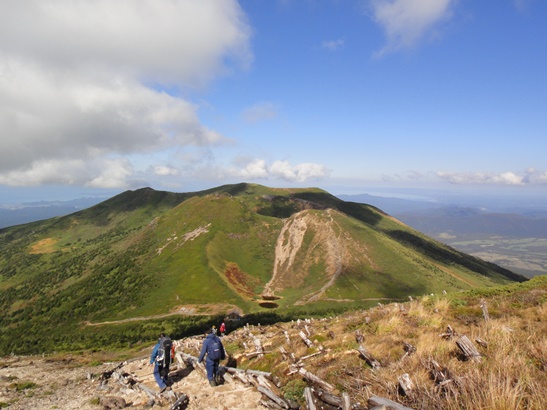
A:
{"points": [[46, 245], [242, 282], [184, 310], [189, 236]]}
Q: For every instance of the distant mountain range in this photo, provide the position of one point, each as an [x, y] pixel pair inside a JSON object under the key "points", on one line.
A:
{"points": [[490, 228], [148, 254], [505, 232], [17, 214]]}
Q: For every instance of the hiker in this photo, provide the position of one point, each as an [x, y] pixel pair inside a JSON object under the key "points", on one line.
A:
{"points": [[222, 329], [161, 357], [212, 346]]}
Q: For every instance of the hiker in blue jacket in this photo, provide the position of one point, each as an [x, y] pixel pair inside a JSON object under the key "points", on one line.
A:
{"points": [[161, 360], [212, 346]]}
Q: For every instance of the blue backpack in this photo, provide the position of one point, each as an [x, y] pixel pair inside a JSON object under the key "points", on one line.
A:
{"points": [[214, 349]]}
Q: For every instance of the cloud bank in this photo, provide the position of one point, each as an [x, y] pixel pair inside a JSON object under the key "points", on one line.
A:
{"points": [[81, 83], [259, 169], [528, 177]]}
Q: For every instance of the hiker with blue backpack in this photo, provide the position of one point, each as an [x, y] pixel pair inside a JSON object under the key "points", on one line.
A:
{"points": [[161, 357], [212, 347]]}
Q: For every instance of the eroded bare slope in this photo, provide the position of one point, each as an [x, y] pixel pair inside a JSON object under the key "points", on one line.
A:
{"points": [[311, 253]]}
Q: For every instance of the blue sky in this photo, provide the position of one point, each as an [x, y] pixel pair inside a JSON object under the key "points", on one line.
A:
{"points": [[348, 95]]}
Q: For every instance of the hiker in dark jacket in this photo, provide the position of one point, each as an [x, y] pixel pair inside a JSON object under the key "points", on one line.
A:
{"points": [[212, 347], [161, 367]]}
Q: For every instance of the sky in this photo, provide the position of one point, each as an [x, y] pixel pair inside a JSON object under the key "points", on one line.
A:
{"points": [[101, 96]]}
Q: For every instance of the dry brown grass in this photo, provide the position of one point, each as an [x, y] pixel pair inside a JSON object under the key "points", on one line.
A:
{"points": [[512, 372]]}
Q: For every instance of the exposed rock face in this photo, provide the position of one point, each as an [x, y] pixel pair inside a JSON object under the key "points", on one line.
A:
{"points": [[309, 239]]}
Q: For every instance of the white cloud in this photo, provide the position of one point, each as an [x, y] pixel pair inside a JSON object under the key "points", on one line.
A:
{"points": [[113, 175], [162, 170], [530, 176], [75, 82], [259, 169], [406, 22], [332, 45], [97, 173], [260, 112], [255, 169], [167, 41]]}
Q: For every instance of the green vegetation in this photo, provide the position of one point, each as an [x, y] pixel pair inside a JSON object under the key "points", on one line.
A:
{"points": [[116, 274]]}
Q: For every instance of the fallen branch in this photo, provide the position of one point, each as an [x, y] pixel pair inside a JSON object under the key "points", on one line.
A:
{"points": [[274, 397], [390, 404], [369, 358], [314, 379]]}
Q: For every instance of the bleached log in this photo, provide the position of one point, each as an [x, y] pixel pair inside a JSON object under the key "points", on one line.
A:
{"points": [[194, 363], [274, 397], [371, 360], [254, 354], [481, 342], [308, 342], [242, 377], [310, 355], [257, 373], [316, 380], [258, 346], [468, 349], [287, 337], [262, 381], [308, 395], [346, 401], [390, 404], [252, 380], [328, 398], [405, 384], [252, 373]]}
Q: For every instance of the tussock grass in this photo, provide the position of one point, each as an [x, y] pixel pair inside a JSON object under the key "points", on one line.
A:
{"points": [[511, 373]]}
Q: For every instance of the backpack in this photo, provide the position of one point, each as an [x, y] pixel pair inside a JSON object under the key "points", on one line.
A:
{"points": [[164, 351], [214, 349]]}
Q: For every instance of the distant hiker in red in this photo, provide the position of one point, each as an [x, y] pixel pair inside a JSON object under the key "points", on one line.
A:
{"points": [[212, 346], [161, 357], [222, 329]]}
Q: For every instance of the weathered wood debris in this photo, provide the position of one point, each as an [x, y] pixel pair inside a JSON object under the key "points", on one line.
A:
{"points": [[320, 394], [468, 349]]}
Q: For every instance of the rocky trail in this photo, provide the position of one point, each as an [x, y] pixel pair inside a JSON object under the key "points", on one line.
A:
{"points": [[44, 383]]}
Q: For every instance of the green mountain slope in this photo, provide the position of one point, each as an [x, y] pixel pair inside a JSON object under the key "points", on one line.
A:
{"points": [[144, 254]]}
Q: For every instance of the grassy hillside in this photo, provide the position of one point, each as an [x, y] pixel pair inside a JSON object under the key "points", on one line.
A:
{"points": [[146, 255], [413, 338]]}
